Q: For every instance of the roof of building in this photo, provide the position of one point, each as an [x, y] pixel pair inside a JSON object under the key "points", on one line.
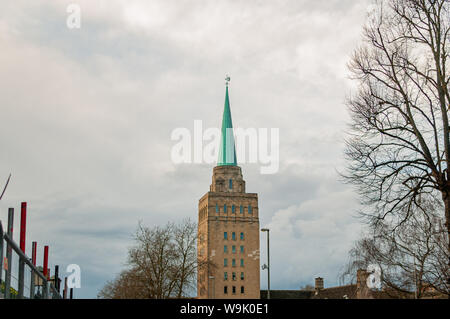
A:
{"points": [[227, 149], [340, 292]]}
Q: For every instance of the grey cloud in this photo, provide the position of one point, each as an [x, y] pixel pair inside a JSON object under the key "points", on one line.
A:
{"points": [[86, 118]]}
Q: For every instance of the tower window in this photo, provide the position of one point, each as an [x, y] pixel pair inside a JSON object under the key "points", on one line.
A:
{"points": [[234, 290], [242, 262], [233, 236], [233, 209], [233, 263], [225, 235], [225, 290], [242, 289], [225, 262], [242, 249], [230, 184], [225, 208], [241, 209], [225, 249], [234, 276], [249, 209], [233, 249], [217, 208], [242, 236], [225, 276], [242, 276]]}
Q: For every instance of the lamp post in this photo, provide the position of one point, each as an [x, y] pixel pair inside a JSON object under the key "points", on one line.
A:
{"points": [[268, 262]]}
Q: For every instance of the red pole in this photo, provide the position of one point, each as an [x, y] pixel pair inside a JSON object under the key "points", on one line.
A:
{"points": [[45, 260], [33, 252], [23, 226]]}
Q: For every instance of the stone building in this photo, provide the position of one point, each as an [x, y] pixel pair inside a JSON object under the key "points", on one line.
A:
{"points": [[228, 228]]}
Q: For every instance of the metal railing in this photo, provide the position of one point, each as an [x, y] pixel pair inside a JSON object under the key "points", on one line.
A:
{"points": [[19, 277]]}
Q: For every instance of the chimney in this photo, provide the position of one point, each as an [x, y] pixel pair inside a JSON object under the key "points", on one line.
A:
{"points": [[318, 284], [361, 278], [362, 291]]}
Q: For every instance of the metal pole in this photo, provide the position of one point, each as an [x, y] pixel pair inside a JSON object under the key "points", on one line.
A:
{"points": [[268, 265], [33, 260], [45, 289], [1, 256], [23, 226], [57, 278], [45, 270], [9, 253], [71, 293]]}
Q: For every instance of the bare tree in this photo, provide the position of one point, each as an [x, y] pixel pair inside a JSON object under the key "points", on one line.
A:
{"points": [[411, 258], [162, 264], [399, 150], [185, 245], [127, 285]]}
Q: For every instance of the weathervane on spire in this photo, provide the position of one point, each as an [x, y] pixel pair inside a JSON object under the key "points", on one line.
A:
{"points": [[227, 79]]}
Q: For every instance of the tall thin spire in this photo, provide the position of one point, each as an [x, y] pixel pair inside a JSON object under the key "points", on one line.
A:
{"points": [[227, 150]]}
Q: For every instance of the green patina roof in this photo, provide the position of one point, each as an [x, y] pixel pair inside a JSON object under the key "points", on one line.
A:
{"points": [[227, 150]]}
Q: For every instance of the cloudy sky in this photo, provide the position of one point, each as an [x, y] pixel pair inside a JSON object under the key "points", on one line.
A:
{"points": [[87, 116]]}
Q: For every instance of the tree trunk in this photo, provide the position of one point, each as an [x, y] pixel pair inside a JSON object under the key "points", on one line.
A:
{"points": [[446, 199]]}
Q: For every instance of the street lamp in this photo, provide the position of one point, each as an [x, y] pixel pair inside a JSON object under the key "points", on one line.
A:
{"points": [[268, 262]]}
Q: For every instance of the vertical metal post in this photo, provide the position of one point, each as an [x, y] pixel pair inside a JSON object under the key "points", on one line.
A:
{"points": [[45, 270], [45, 289], [33, 260], [268, 265], [1, 257], [9, 253], [71, 293], [23, 225], [57, 278]]}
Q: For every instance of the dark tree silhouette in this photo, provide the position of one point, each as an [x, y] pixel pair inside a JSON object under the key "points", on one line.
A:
{"points": [[399, 149], [162, 264]]}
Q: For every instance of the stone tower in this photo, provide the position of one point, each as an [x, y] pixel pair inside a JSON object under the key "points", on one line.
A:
{"points": [[228, 228]]}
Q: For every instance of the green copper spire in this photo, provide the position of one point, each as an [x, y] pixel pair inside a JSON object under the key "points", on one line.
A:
{"points": [[227, 150]]}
